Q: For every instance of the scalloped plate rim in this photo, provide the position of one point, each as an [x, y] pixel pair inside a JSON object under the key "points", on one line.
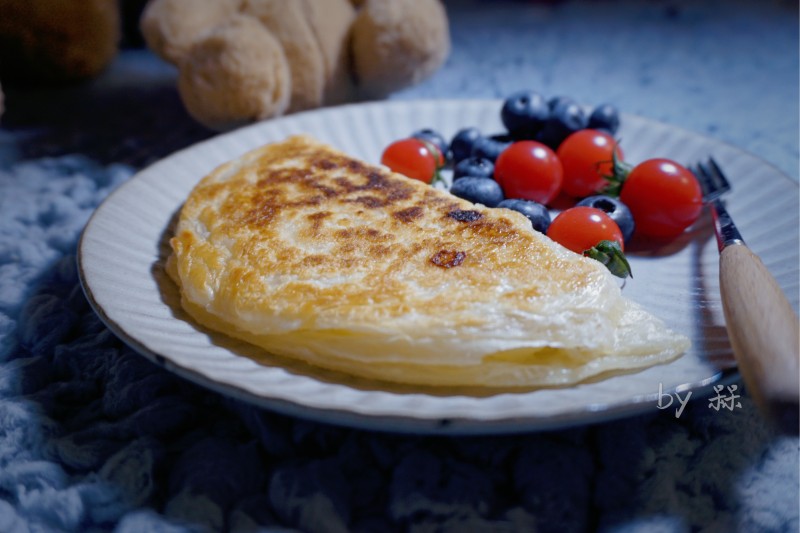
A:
{"points": [[357, 415]]}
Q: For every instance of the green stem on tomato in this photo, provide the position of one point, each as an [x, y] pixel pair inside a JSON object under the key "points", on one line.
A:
{"points": [[610, 254], [619, 173], [438, 158], [437, 177]]}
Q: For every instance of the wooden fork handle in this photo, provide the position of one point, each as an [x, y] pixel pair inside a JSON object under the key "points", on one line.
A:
{"points": [[765, 335]]}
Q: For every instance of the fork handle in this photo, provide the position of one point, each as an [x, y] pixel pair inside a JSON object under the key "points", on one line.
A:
{"points": [[765, 335]]}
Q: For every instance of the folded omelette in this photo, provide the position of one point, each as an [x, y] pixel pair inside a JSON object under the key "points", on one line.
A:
{"points": [[313, 255]]}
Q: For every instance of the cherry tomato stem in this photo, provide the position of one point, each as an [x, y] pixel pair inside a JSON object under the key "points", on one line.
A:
{"points": [[580, 228], [591, 232], [588, 158]]}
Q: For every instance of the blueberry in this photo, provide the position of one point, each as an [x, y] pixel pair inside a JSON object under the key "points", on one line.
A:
{"points": [[490, 147], [433, 137], [566, 118], [524, 113], [461, 144], [604, 117], [536, 212], [615, 209], [559, 100], [477, 167], [478, 190]]}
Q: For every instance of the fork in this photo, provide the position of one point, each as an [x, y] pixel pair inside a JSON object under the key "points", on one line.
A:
{"points": [[762, 326]]}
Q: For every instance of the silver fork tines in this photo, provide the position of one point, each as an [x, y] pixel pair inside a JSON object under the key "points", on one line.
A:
{"points": [[714, 184], [761, 323]]}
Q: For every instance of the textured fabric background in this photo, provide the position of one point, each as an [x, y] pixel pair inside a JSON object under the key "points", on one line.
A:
{"points": [[95, 438]]}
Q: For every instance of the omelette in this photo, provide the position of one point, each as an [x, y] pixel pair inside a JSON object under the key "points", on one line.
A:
{"points": [[313, 255]]}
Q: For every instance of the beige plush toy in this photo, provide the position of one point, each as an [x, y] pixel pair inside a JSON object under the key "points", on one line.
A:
{"points": [[57, 41], [46, 42], [245, 60]]}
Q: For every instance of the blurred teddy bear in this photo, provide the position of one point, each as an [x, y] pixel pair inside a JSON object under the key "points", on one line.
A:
{"points": [[245, 60], [238, 60], [56, 41]]}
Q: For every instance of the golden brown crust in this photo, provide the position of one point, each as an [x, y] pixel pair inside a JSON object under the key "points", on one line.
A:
{"points": [[328, 214], [312, 254]]}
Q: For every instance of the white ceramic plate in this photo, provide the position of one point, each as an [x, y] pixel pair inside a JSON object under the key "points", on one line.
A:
{"points": [[122, 252]]}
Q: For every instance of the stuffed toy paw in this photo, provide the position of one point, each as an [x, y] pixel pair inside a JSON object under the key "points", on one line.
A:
{"points": [[245, 60]]}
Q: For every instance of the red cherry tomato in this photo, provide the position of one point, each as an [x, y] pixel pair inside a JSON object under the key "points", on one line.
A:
{"points": [[529, 170], [580, 228], [586, 156], [663, 196], [411, 157]]}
